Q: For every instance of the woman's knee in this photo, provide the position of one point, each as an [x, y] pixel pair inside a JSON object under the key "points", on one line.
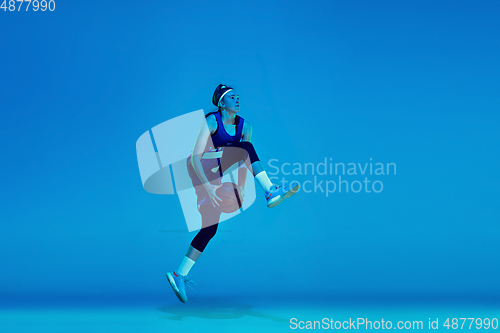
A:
{"points": [[248, 146]]}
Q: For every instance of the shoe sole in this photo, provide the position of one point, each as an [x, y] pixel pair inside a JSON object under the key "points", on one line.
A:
{"points": [[286, 196], [276, 202], [171, 280], [292, 191]]}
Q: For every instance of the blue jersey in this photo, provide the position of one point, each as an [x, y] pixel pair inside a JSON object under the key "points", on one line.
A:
{"points": [[221, 138]]}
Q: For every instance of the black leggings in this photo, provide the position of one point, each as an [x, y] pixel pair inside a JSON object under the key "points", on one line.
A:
{"points": [[236, 152], [209, 220]]}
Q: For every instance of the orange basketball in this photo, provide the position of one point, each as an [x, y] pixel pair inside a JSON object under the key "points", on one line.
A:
{"points": [[229, 193]]}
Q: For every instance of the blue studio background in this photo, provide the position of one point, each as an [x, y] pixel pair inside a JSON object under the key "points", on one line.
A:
{"points": [[411, 83]]}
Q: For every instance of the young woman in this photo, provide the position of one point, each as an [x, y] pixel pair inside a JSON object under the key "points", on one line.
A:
{"points": [[221, 144]]}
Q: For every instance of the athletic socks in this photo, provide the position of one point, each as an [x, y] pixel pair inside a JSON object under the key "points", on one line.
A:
{"points": [[187, 263], [264, 181], [185, 266]]}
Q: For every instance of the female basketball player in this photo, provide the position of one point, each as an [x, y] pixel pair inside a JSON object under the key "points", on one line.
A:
{"points": [[224, 142]]}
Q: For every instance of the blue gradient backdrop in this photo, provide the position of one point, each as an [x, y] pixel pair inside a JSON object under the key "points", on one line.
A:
{"points": [[411, 83]]}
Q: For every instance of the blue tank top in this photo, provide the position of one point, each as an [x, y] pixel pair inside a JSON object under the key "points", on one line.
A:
{"points": [[221, 138]]}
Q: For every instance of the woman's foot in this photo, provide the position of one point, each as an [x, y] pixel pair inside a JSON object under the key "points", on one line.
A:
{"points": [[178, 283], [279, 193]]}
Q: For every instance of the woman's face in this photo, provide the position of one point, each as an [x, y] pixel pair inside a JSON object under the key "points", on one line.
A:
{"points": [[231, 102]]}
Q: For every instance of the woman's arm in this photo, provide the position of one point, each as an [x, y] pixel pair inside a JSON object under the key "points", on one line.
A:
{"points": [[246, 133], [198, 150]]}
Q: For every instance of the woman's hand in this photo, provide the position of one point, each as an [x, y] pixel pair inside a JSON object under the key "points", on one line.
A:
{"points": [[211, 190]]}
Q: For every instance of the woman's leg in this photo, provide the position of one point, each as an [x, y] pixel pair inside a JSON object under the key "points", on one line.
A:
{"points": [[210, 220], [245, 151]]}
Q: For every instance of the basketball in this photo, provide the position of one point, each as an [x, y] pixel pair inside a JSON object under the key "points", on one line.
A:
{"points": [[229, 194]]}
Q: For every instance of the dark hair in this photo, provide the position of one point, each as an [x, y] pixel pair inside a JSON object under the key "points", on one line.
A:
{"points": [[219, 91]]}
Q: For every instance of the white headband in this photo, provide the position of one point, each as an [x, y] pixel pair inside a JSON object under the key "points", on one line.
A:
{"points": [[225, 92]]}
